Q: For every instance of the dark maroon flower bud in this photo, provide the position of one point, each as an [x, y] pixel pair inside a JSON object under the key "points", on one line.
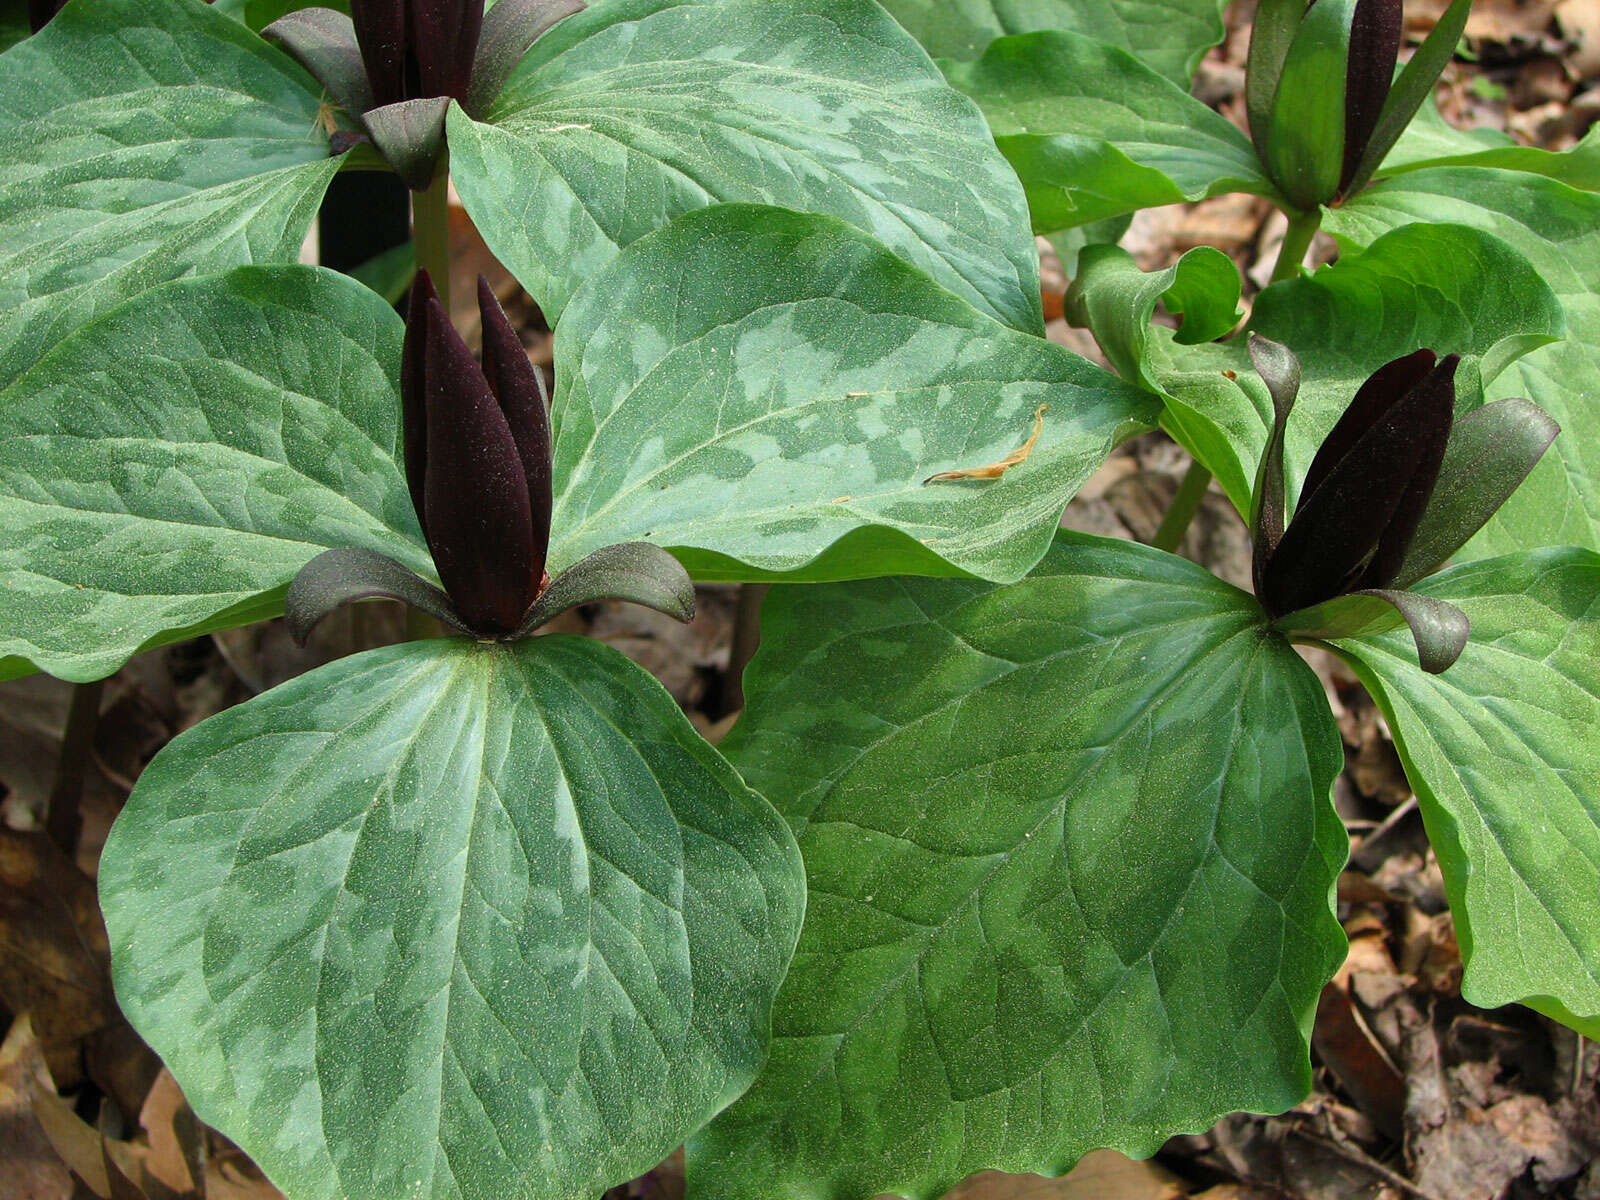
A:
{"points": [[397, 64], [1320, 141], [477, 453], [1396, 488], [1375, 35], [417, 49], [478, 459], [1367, 487]]}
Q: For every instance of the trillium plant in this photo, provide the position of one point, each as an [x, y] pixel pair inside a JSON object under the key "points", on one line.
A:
{"points": [[1023, 844]]}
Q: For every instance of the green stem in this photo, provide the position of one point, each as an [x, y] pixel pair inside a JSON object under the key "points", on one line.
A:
{"points": [[1296, 242], [63, 821], [430, 229], [1184, 507]]}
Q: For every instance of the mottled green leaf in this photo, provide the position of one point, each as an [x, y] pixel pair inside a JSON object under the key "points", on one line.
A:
{"points": [[452, 920], [1094, 133], [635, 111], [1558, 228], [1450, 288], [1170, 36], [142, 140], [1502, 752], [765, 393], [169, 468], [1070, 852]]}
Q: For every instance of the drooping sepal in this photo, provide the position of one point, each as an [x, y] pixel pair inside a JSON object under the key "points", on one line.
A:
{"points": [[410, 135], [1491, 451], [1280, 371], [510, 29], [323, 41], [348, 574], [638, 572], [1438, 629]]}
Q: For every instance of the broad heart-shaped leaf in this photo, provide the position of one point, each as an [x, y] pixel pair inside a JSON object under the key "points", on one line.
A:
{"points": [[449, 919], [635, 111], [764, 392], [1169, 36], [1450, 288], [142, 140], [1070, 850], [169, 468], [1094, 133], [1558, 228], [1502, 752]]}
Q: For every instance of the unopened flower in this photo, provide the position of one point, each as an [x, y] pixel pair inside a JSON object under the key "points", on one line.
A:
{"points": [[478, 462], [1398, 486], [477, 451], [395, 65], [1324, 104]]}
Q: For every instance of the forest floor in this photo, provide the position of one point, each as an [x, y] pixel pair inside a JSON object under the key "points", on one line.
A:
{"points": [[1418, 1094]]}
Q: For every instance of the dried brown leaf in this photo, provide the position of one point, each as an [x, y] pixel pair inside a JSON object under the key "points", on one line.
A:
{"points": [[1102, 1175], [997, 469], [33, 1170]]}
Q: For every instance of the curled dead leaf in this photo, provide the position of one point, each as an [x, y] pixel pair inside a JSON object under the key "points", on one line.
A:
{"points": [[997, 469]]}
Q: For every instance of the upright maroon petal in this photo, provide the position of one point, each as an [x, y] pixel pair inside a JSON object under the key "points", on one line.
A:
{"points": [[381, 34], [445, 39], [479, 524], [1429, 413], [1373, 492], [1384, 388], [519, 387], [413, 404], [1375, 35]]}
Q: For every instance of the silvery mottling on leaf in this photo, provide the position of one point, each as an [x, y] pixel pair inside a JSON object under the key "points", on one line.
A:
{"points": [[1399, 485], [478, 461], [1324, 102], [395, 65]]}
